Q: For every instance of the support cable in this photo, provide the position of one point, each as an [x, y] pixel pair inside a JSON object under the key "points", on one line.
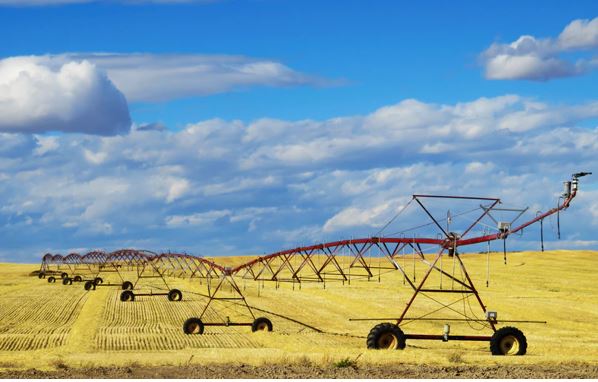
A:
{"points": [[432, 223], [393, 218]]}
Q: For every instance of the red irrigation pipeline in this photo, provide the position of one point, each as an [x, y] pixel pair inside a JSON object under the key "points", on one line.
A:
{"points": [[570, 193], [329, 248], [340, 243], [183, 264], [358, 248], [503, 235]]}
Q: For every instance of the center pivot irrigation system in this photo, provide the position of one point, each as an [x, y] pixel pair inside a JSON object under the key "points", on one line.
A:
{"points": [[99, 269], [343, 261]]}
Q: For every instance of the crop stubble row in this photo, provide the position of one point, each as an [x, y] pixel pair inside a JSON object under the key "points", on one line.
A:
{"points": [[156, 324], [36, 319]]}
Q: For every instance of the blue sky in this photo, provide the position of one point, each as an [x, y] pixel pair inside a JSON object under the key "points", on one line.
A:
{"points": [[274, 123]]}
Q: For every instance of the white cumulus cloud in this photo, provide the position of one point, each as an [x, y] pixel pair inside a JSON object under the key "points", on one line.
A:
{"points": [[541, 59], [37, 96], [236, 187], [84, 92]]}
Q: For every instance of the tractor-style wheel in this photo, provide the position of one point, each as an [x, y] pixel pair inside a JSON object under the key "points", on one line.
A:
{"points": [[77, 279], [51, 279], [67, 281], [41, 275], [261, 324], [193, 326], [64, 275], [508, 341], [127, 285], [386, 336], [98, 281], [89, 285], [127, 295], [175, 295]]}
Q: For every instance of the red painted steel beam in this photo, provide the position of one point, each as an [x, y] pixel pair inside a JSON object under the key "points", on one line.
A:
{"points": [[500, 235], [135, 257]]}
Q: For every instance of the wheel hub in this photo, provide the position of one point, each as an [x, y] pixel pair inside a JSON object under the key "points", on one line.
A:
{"points": [[388, 341], [262, 326], [509, 345]]}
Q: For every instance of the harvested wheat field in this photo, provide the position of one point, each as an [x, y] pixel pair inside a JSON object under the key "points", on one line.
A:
{"points": [[64, 330]]}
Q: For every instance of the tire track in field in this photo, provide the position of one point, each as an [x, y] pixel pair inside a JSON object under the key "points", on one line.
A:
{"points": [[156, 324], [83, 332]]}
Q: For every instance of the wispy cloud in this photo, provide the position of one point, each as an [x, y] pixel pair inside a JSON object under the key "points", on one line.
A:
{"points": [[161, 77], [542, 59]]}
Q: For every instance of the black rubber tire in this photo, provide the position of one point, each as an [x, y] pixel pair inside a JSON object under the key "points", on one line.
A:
{"points": [[127, 295], [386, 336], [89, 285], [508, 341], [77, 279], [67, 281], [51, 279], [175, 295], [127, 285], [98, 281], [193, 326], [261, 324], [64, 275], [41, 275]]}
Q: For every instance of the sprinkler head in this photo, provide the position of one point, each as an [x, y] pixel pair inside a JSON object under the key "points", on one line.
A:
{"points": [[580, 174]]}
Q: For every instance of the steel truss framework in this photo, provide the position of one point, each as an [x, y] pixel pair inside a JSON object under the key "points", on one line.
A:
{"points": [[169, 264], [144, 263], [278, 266], [322, 262]]}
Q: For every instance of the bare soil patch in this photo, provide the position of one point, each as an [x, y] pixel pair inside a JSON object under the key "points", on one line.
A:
{"points": [[307, 371]]}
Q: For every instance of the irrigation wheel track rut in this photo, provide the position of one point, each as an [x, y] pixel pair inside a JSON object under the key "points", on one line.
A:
{"points": [[83, 332]]}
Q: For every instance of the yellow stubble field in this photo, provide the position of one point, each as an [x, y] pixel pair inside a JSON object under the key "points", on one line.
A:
{"points": [[45, 325]]}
